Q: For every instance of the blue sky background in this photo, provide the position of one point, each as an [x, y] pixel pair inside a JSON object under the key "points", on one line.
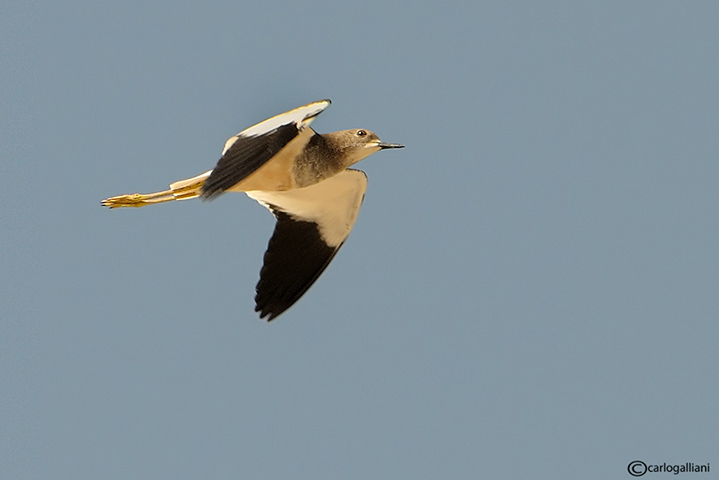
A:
{"points": [[531, 288]]}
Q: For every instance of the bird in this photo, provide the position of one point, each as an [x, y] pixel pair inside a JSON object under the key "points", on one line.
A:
{"points": [[303, 178]]}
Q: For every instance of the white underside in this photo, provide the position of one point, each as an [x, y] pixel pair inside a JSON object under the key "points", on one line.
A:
{"points": [[333, 204]]}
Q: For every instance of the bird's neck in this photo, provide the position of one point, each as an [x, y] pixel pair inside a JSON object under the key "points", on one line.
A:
{"points": [[320, 159]]}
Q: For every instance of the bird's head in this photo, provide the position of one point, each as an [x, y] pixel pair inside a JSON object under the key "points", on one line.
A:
{"points": [[358, 144]]}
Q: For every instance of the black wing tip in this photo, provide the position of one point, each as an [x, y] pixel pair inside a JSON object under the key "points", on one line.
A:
{"points": [[315, 114], [271, 305], [296, 256], [269, 312], [210, 194], [264, 313]]}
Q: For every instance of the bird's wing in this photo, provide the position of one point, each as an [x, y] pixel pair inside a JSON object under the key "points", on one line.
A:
{"points": [[251, 148], [312, 224]]}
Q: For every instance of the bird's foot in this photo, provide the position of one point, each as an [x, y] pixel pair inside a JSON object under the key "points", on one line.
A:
{"points": [[131, 200]]}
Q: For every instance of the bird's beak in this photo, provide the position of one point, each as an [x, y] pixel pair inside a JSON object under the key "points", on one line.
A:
{"points": [[385, 145]]}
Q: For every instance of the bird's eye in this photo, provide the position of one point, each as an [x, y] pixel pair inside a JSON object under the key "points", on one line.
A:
{"points": [[361, 133]]}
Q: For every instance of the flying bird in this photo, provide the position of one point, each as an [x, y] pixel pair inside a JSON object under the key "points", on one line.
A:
{"points": [[303, 178]]}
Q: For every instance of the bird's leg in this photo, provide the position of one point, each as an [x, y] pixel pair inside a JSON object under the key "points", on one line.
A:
{"points": [[181, 190], [138, 199]]}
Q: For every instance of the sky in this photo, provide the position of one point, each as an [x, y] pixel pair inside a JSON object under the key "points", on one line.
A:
{"points": [[530, 289]]}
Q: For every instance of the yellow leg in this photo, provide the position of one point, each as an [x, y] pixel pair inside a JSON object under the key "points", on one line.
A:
{"points": [[138, 199], [182, 190]]}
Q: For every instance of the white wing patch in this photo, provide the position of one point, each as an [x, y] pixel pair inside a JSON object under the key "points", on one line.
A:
{"points": [[332, 204], [301, 116]]}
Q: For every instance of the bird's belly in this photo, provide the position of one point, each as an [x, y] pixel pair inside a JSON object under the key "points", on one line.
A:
{"points": [[270, 177]]}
